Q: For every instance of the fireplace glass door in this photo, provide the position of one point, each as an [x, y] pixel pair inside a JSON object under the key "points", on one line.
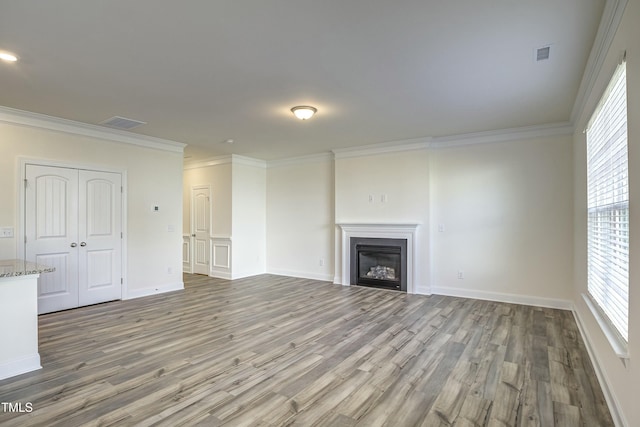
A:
{"points": [[379, 266], [378, 262]]}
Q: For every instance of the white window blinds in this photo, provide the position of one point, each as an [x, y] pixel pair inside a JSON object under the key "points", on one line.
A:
{"points": [[608, 205]]}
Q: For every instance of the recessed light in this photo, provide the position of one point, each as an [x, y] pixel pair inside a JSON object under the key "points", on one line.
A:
{"points": [[228, 141], [8, 56]]}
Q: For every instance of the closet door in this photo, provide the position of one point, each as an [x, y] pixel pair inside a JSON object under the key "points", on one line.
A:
{"points": [[200, 226], [99, 235], [73, 222], [51, 227]]}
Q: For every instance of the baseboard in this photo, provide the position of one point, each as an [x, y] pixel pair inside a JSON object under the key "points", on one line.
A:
{"points": [[20, 366], [301, 274], [245, 274], [221, 274], [422, 291], [612, 401], [504, 297], [138, 293]]}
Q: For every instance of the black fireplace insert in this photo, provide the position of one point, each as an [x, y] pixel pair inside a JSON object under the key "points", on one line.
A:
{"points": [[379, 263]]}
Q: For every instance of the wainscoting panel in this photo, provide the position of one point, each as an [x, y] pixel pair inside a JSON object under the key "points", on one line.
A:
{"points": [[186, 253], [221, 257]]}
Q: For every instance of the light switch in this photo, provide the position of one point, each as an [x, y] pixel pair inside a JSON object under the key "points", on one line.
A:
{"points": [[6, 232]]}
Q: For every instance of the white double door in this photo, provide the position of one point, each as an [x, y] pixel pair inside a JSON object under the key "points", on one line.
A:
{"points": [[73, 222]]}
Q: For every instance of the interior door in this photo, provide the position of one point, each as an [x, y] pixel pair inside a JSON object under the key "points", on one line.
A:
{"points": [[51, 232], [200, 226], [99, 235], [73, 222]]}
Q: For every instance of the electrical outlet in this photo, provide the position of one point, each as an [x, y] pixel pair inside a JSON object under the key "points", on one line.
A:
{"points": [[383, 198], [370, 198], [169, 270], [321, 262], [460, 274], [441, 228]]}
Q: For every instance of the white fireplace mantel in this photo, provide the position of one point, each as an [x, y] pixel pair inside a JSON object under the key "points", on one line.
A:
{"points": [[406, 231]]}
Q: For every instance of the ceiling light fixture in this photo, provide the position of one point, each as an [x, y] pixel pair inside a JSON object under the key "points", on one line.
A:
{"points": [[304, 112], [7, 56]]}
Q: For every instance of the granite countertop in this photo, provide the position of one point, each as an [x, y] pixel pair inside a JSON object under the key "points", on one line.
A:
{"points": [[19, 267]]}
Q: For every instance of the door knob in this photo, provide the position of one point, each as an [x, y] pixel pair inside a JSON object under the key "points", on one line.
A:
{"points": [[74, 244], [193, 235], [83, 244]]}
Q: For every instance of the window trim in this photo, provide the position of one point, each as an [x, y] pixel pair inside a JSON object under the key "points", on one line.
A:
{"points": [[618, 343]]}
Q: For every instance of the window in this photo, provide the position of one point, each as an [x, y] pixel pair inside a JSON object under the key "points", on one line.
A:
{"points": [[608, 206]]}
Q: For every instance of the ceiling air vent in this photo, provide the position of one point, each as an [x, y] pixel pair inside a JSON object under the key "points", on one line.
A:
{"points": [[542, 53], [122, 123]]}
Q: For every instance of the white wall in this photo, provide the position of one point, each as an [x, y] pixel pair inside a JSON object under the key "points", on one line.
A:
{"points": [[218, 176], [402, 178], [238, 224], [154, 177], [249, 189], [506, 209], [620, 380], [300, 225]]}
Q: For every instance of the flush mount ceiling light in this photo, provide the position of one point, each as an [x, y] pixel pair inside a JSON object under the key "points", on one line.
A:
{"points": [[304, 112], [8, 56]]}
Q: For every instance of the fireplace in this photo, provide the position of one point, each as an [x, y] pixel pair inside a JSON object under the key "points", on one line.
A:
{"points": [[379, 263], [407, 232]]}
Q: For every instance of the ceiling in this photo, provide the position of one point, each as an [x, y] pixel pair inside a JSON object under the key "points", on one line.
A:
{"points": [[202, 72]]}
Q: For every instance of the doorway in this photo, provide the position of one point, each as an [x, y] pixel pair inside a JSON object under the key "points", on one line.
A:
{"points": [[200, 228], [73, 222]]}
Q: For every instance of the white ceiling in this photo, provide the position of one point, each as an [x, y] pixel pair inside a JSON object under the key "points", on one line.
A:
{"points": [[201, 72]]}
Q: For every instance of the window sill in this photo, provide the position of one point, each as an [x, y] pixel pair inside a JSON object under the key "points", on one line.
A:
{"points": [[619, 346]]}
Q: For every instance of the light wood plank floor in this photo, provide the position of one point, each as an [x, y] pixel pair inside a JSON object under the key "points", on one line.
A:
{"points": [[278, 351]]}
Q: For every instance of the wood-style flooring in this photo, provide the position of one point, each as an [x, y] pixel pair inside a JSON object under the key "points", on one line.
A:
{"points": [[279, 351]]}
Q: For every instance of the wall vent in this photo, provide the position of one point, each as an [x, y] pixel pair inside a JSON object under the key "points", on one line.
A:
{"points": [[542, 53], [122, 123]]}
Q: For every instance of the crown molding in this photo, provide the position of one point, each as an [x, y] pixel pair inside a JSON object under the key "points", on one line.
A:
{"points": [[503, 135], [211, 161], [291, 161], [248, 161], [383, 148], [611, 17], [36, 120], [228, 159]]}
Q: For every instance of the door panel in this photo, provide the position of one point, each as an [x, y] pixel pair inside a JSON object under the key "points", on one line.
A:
{"points": [[201, 224], [100, 239], [53, 194], [51, 227], [56, 284], [73, 222]]}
